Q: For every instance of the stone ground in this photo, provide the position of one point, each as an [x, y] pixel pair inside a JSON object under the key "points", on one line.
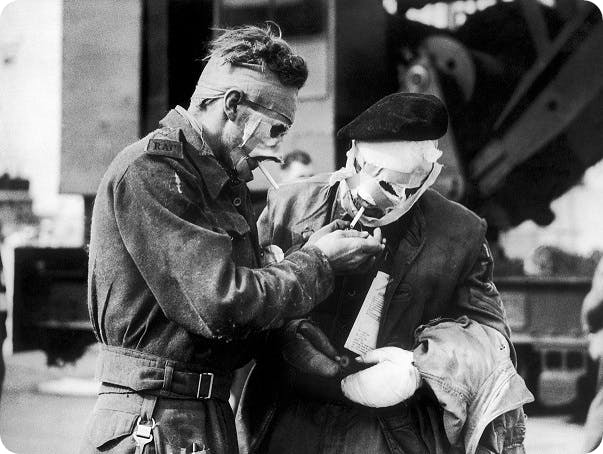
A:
{"points": [[33, 422]]}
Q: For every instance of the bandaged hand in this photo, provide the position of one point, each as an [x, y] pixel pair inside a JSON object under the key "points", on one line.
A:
{"points": [[390, 381], [308, 349]]}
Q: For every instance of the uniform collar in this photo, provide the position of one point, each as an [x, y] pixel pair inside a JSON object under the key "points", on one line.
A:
{"points": [[215, 176]]}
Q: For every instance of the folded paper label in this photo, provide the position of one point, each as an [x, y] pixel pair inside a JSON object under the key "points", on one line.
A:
{"points": [[363, 335]]}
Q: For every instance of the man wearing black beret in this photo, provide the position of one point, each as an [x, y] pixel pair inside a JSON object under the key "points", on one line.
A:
{"points": [[410, 355]]}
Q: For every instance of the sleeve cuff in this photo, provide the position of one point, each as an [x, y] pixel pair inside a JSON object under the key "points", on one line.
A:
{"points": [[318, 271]]}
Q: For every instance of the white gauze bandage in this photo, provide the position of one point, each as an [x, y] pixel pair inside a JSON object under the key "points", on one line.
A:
{"points": [[402, 165], [259, 84]]}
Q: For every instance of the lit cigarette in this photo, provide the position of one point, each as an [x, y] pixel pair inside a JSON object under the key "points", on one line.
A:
{"points": [[271, 180], [357, 217]]}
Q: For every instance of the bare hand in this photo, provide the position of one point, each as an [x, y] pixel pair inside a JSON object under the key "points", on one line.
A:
{"points": [[346, 250], [337, 224], [369, 263]]}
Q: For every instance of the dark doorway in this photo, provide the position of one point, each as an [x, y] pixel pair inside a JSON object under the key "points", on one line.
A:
{"points": [[175, 36]]}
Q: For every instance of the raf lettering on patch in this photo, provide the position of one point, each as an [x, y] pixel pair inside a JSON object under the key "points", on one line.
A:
{"points": [[165, 147]]}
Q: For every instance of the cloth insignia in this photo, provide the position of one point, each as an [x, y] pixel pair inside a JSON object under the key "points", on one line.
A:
{"points": [[162, 145]]}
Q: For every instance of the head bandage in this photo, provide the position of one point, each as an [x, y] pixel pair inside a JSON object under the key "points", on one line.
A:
{"points": [[400, 156], [411, 168], [259, 84]]}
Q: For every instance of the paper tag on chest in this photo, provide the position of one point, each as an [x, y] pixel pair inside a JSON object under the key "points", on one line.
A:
{"points": [[363, 336]]}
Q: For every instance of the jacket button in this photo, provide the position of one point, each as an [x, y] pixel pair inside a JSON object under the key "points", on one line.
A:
{"points": [[352, 292], [237, 201]]}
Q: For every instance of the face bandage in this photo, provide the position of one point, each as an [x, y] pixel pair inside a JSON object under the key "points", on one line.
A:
{"points": [[262, 91], [261, 130], [386, 180], [260, 133], [400, 156]]}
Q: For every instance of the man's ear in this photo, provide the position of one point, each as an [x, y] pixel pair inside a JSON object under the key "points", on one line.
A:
{"points": [[232, 99]]}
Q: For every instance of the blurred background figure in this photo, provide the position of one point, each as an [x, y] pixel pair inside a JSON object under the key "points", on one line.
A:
{"points": [[592, 318], [296, 164]]}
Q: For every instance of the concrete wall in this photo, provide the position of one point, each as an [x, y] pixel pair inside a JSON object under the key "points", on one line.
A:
{"points": [[30, 110]]}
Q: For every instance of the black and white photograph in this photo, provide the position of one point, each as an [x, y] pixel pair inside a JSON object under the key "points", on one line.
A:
{"points": [[301, 226]]}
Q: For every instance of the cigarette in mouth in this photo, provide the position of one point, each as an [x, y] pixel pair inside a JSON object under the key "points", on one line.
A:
{"points": [[271, 180], [357, 217]]}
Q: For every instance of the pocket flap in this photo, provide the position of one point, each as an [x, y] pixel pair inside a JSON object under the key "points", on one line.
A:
{"points": [[109, 425], [232, 222]]}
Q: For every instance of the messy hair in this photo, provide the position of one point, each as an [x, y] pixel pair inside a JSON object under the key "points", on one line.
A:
{"points": [[261, 46]]}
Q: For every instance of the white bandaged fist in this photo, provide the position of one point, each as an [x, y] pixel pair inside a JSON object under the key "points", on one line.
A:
{"points": [[390, 381]]}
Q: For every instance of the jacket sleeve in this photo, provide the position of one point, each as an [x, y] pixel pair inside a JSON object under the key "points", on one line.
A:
{"points": [[476, 295], [265, 222], [273, 227], [467, 366], [270, 231], [186, 262]]}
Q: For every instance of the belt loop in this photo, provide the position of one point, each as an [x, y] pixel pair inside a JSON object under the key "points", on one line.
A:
{"points": [[167, 376]]}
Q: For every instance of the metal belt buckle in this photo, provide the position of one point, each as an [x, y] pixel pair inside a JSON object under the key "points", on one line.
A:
{"points": [[143, 434], [211, 385]]}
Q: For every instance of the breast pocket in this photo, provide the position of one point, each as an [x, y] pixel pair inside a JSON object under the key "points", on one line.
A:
{"points": [[236, 227], [229, 222]]}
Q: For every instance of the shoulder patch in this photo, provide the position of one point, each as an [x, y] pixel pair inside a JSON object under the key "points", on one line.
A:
{"points": [[161, 145]]}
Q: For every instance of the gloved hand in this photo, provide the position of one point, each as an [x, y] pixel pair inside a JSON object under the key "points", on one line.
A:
{"points": [[390, 381], [308, 349]]}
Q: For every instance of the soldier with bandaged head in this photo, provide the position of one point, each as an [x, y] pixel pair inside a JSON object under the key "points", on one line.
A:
{"points": [[411, 353]]}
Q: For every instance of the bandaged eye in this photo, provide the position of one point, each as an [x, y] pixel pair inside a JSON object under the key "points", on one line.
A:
{"points": [[278, 130]]}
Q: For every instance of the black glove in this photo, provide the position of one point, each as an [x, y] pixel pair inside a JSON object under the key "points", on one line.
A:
{"points": [[305, 347]]}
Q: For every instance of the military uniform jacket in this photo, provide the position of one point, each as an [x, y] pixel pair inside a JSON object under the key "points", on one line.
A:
{"points": [[173, 266]]}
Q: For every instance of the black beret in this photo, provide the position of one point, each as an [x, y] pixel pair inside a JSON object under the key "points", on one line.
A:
{"points": [[400, 116]]}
